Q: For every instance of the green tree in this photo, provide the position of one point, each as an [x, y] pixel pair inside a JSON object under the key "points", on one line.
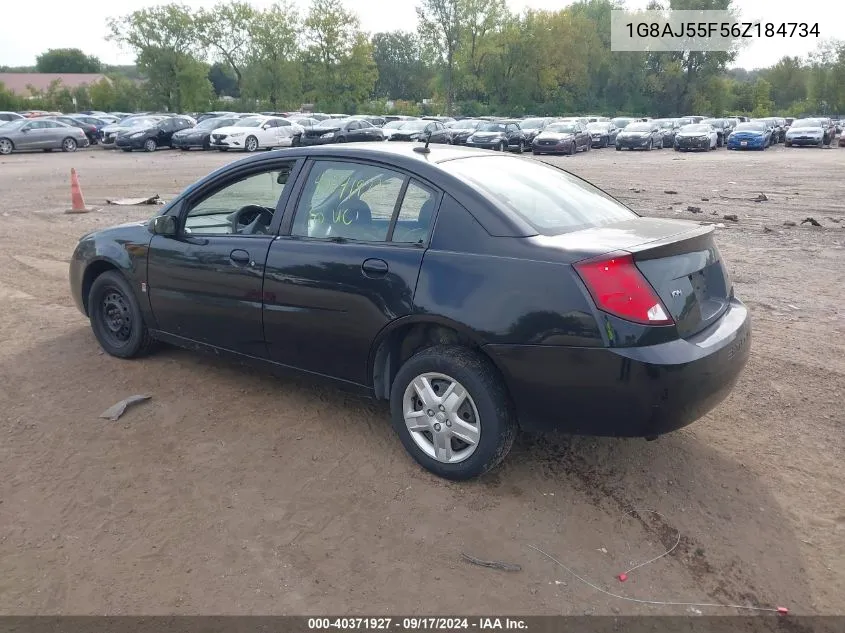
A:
{"points": [[788, 78], [273, 70], [164, 39], [67, 60], [440, 26], [762, 98], [226, 31], [402, 73]]}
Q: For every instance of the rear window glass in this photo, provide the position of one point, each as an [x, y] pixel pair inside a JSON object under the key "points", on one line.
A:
{"points": [[549, 199]]}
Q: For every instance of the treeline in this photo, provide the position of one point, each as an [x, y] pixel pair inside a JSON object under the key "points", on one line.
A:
{"points": [[468, 57]]}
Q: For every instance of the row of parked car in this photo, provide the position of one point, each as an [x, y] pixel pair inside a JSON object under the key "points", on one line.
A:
{"points": [[250, 132]]}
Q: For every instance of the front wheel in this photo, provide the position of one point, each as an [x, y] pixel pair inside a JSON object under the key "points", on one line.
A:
{"points": [[502, 146], [251, 144], [650, 146], [452, 412], [116, 317], [150, 145], [69, 145], [618, 149]]}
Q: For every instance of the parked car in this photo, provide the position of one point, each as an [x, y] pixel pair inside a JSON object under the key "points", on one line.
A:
{"points": [[602, 133], [842, 140], [778, 127], [463, 129], [391, 127], [750, 135], [808, 132], [696, 136], [202, 116], [304, 121], [341, 131], [498, 135], [641, 135], [43, 134], [690, 120], [532, 126], [108, 134], [150, 138], [393, 288], [92, 120], [442, 119], [773, 131], [562, 137], [256, 132], [723, 129], [828, 125], [668, 128], [91, 132], [377, 121], [10, 116], [433, 131], [199, 136]]}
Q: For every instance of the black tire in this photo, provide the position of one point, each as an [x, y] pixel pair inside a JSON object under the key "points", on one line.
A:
{"points": [[650, 145], [250, 144], [520, 148], [124, 335], [484, 385], [150, 145], [223, 149], [588, 146], [677, 149], [6, 147], [126, 149], [606, 142], [572, 148], [69, 145], [341, 139], [618, 149], [502, 147]]}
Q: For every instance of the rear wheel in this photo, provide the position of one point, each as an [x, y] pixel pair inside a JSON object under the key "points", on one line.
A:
{"points": [[452, 412], [69, 145], [116, 317], [251, 144]]}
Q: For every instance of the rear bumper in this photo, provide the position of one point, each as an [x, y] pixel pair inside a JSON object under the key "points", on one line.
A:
{"points": [[626, 392]]}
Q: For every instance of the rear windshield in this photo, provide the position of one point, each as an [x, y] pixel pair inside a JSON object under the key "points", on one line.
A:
{"points": [[549, 199]]}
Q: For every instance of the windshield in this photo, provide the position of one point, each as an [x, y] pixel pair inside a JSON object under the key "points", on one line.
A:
{"points": [[750, 127], [140, 121], [561, 128], [393, 125], [213, 123], [621, 122], [491, 127], [414, 126], [697, 128], [253, 121], [807, 123], [466, 124], [638, 127], [714, 122], [549, 199], [666, 125], [331, 124], [598, 127], [531, 124]]}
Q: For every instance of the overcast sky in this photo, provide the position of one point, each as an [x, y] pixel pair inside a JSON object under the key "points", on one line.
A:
{"points": [[81, 24]]}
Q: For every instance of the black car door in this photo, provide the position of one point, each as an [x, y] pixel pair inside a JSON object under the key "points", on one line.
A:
{"points": [[354, 131], [205, 283], [345, 265]]}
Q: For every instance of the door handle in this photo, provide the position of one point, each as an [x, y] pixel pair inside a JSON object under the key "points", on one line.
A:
{"points": [[374, 267], [241, 257]]}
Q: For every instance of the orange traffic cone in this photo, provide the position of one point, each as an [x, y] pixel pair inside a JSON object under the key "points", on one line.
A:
{"points": [[77, 202]]}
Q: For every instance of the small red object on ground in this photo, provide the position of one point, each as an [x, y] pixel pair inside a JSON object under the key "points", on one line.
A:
{"points": [[783, 611], [622, 577]]}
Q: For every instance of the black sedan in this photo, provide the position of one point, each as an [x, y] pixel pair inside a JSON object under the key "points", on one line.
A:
{"points": [[478, 293], [563, 137], [498, 135], [463, 129], [642, 135], [199, 136], [92, 132], [602, 133], [434, 131], [159, 134], [347, 130]]}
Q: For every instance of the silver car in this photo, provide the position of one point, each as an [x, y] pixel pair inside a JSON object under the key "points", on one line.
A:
{"points": [[27, 134]]}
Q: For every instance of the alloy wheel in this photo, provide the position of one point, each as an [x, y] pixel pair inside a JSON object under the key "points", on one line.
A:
{"points": [[441, 417], [68, 145], [5, 146]]}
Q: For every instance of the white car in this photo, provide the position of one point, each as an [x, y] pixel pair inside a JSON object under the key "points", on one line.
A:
{"points": [[696, 136], [257, 132]]}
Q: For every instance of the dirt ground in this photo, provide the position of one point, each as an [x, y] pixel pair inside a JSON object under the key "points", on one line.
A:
{"points": [[233, 492]]}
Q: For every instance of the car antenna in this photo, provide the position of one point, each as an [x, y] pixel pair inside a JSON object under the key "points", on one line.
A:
{"points": [[424, 150]]}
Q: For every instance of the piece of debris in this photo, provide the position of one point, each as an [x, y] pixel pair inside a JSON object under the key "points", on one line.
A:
{"points": [[760, 197], [492, 564], [693, 209], [766, 229], [705, 199], [714, 212], [114, 412], [789, 223], [635, 190], [560, 582], [602, 550], [131, 202], [834, 220], [670, 192], [811, 221], [733, 217]]}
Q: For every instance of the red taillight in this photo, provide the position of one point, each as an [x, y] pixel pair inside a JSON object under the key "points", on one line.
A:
{"points": [[619, 288]]}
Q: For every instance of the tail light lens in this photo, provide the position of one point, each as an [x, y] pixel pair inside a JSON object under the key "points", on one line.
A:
{"points": [[619, 288]]}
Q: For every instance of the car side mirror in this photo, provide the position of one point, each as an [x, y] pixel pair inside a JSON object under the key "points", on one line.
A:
{"points": [[164, 225], [266, 126], [25, 129]]}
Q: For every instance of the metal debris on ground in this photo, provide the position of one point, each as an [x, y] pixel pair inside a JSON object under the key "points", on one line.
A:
{"points": [[693, 209], [670, 191], [114, 412], [131, 202], [789, 223], [812, 221], [492, 564], [733, 217], [760, 197]]}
